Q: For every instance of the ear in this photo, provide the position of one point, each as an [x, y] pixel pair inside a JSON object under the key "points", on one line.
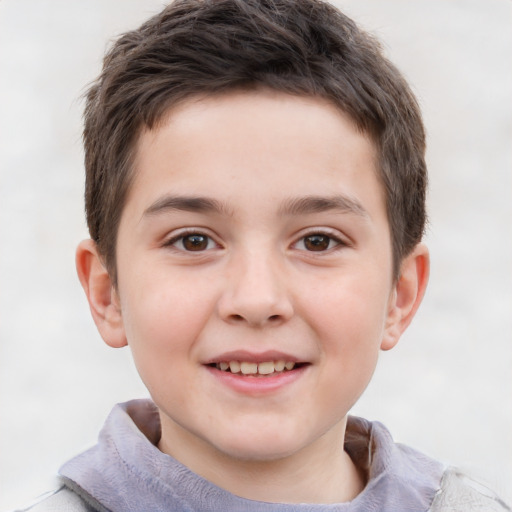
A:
{"points": [[101, 294], [407, 294]]}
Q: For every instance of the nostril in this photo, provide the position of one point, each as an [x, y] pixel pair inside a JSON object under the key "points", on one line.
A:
{"points": [[240, 318]]}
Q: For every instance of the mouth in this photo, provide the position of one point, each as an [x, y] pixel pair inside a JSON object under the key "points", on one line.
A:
{"points": [[252, 369]]}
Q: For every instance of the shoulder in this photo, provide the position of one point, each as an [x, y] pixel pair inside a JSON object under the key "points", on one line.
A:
{"points": [[459, 493], [63, 499]]}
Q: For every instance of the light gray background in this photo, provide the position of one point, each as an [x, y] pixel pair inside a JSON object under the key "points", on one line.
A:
{"points": [[445, 389]]}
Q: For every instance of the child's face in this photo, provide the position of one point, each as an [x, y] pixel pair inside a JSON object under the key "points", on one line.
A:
{"points": [[255, 231]]}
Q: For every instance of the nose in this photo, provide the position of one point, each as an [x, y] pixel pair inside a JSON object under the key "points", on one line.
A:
{"points": [[256, 292]]}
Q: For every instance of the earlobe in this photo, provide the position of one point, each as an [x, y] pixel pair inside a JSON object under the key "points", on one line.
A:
{"points": [[407, 295], [102, 297]]}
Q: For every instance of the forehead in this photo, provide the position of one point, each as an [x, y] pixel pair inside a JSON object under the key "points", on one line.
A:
{"points": [[254, 144]]}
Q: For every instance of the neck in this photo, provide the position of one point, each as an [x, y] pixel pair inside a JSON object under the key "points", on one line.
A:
{"points": [[320, 473]]}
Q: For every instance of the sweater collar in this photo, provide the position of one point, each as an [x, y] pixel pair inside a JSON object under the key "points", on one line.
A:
{"points": [[125, 471]]}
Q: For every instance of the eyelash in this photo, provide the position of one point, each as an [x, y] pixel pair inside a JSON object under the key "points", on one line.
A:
{"points": [[330, 238], [172, 242]]}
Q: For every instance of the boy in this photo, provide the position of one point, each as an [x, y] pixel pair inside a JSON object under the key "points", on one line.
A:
{"points": [[255, 196]]}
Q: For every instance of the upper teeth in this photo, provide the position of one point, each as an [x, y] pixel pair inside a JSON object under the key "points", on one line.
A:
{"points": [[247, 368]]}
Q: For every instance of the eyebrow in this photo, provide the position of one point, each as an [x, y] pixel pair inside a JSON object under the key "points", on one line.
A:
{"points": [[294, 206], [187, 204], [318, 204]]}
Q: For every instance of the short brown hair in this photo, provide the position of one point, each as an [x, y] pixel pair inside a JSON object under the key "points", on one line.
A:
{"points": [[300, 47]]}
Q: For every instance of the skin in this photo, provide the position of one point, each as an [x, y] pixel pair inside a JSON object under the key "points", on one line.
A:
{"points": [[255, 284]]}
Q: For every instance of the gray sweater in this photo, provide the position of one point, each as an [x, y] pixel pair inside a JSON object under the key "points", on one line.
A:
{"points": [[125, 472]]}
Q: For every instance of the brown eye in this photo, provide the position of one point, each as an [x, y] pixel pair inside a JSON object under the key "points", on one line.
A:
{"points": [[317, 242], [195, 242]]}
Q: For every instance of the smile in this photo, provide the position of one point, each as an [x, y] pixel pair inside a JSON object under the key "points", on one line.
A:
{"points": [[257, 375], [249, 368]]}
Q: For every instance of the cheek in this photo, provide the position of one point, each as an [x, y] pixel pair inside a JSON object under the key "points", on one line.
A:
{"points": [[161, 335], [163, 320], [348, 309], [350, 351], [348, 320]]}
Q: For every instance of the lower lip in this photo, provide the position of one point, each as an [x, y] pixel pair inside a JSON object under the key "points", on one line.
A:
{"points": [[250, 385]]}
